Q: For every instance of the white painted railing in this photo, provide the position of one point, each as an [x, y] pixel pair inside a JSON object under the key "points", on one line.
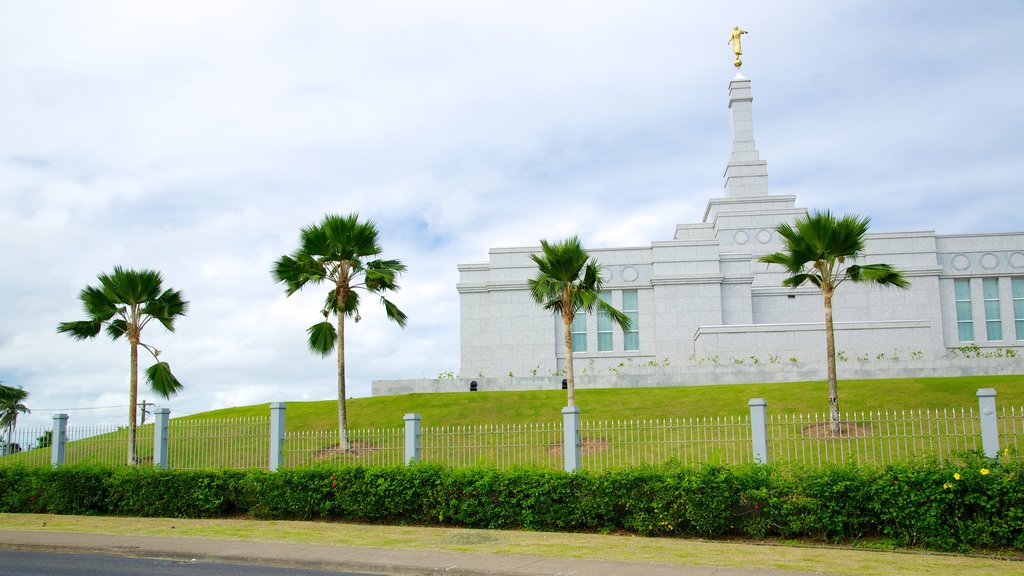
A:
{"points": [[784, 440]]}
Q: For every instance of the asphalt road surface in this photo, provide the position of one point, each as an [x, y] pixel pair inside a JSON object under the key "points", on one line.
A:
{"points": [[17, 563]]}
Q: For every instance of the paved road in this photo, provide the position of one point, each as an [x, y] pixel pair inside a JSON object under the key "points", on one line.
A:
{"points": [[393, 562], [21, 563]]}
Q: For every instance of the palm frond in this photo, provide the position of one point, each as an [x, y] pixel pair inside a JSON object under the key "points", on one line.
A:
{"points": [[125, 286], [162, 381], [80, 329], [293, 274], [618, 316], [382, 275], [797, 280], [393, 312], [322, 337], [96, 303], [883, 274], [117, 328]]}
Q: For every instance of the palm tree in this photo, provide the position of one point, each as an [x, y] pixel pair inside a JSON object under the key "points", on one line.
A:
{"points": [[126, 301], [341, 251], [568, 281], [817, 248], [11, 404]]}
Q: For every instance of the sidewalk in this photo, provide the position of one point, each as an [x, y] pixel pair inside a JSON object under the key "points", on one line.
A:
{"points": [[356, 559]]}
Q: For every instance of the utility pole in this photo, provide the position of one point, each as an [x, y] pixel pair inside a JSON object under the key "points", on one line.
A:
{"points": [[143, 409]]}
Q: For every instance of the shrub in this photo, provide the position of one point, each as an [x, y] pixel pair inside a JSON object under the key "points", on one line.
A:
{"points": [[972, 502]]}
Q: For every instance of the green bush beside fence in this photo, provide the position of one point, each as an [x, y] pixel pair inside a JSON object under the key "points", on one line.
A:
{"points": [[954, 506]]}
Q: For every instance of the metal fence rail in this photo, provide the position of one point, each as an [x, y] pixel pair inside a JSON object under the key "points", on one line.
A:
{"points": [[1011, 430], [368, 447], [104, 444], [872, 438], [875, 438], [23, 447], [498, 446], [219, 443], [107, 445], [690, 441]]}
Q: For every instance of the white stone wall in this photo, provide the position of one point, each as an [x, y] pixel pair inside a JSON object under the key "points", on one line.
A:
{"points": [[639, 376], [699, 302]]}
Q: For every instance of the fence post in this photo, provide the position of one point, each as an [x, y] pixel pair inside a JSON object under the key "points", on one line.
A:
{"points": [[412, 437], [989, 429], [276, 435], [160, 429], [60, 437], [759, 429], [571, 440]]}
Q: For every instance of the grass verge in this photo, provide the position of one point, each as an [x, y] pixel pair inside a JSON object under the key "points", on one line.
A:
{"points": [[688, 552]]}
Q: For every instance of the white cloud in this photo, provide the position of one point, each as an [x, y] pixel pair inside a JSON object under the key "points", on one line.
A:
{"points": [[197, 138]]}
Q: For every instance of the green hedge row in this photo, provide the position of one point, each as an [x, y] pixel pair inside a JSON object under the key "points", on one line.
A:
{"points": [[975, 503]]}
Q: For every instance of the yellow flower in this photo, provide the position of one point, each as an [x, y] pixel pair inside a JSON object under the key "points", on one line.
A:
{"points": [[956, 476], [947, 486], [984, 471]]}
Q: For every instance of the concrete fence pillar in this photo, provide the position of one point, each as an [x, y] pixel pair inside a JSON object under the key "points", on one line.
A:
{"points": [[571, 439], [989, 428], [59, 440], [277, 419], [412, 437], [160, 433], [759, 429]]}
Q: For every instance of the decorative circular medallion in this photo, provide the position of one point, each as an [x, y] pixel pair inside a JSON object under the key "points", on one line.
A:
{"points": [[961, 262], [741, 237], [1017, 260], [629, 274], [764, 236], [989, 261]]}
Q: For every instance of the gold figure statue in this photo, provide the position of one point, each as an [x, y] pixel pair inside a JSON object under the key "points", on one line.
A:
{"points": [[734, 39]]}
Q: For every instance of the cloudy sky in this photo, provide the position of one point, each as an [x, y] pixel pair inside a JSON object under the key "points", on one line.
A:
{"points": [[197, 138]]}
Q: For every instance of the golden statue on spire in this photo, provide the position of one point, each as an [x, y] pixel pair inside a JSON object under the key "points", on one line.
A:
{"points": [[734, 39]]}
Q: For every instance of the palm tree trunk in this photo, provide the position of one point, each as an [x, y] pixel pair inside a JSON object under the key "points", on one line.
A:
{"points": [[133, 394], [570, 383], [343, 443], [830, 353]]}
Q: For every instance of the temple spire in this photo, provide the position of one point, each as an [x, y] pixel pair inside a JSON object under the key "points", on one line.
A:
{"points": [[746, 174]]}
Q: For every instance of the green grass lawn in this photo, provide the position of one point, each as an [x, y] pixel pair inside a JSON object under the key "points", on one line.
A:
{"points": [[468, 408]]}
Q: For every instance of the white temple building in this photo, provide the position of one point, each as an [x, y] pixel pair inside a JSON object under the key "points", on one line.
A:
{"points": [[704, 310]]}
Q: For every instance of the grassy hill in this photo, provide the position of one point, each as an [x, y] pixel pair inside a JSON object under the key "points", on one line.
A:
{"points": [[641, 403]]}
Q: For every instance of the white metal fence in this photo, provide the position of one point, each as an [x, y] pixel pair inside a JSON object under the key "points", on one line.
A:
{"points": [[98, 444], [496, 446], [220, 443], [864, 438], [691, 441], [875, 438], [369, 447]]}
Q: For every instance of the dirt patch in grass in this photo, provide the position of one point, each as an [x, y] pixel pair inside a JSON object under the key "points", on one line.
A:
{"points": [[589, 446], [358, 448], [823, 431]]}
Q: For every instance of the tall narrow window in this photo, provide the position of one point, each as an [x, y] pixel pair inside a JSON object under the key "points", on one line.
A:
{"points": [[604, 326], [1017, 284], [631, 308], [993, 320], [964, 317], [579, 332]]}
